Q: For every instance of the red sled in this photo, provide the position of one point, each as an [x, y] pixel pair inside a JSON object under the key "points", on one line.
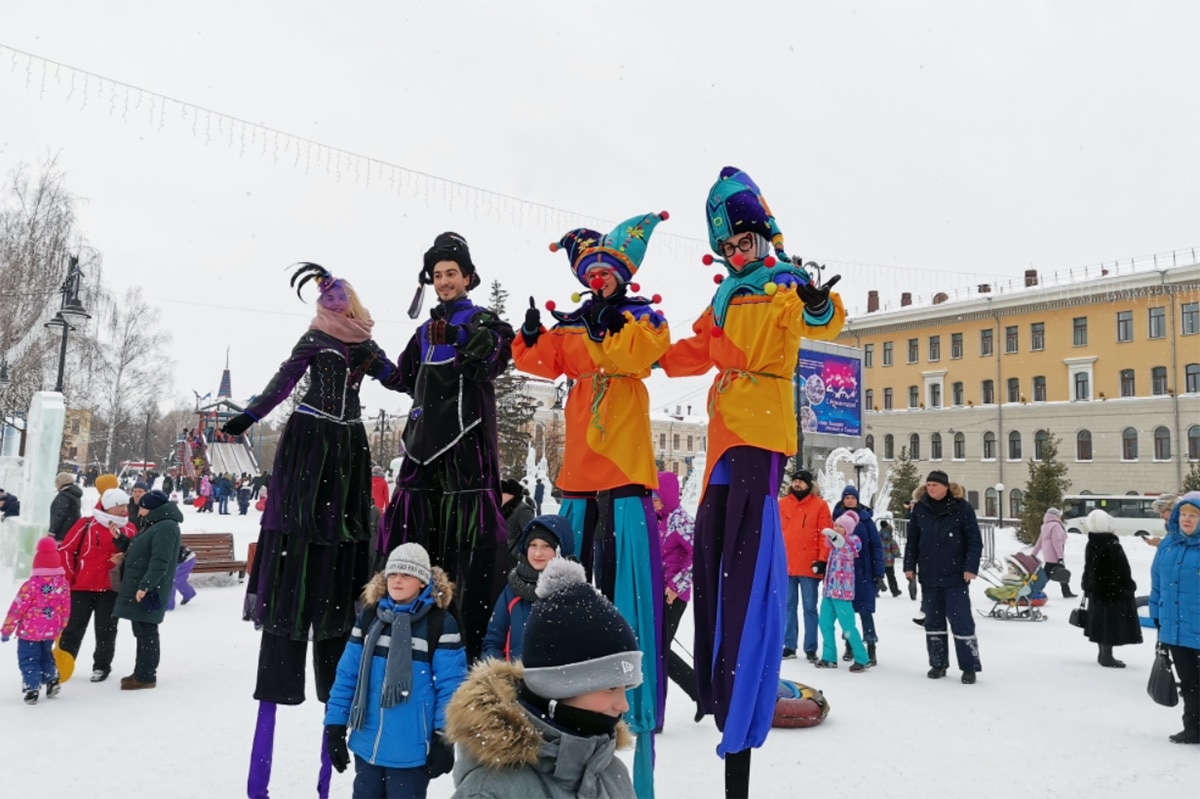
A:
{"points": [[199, 502], [261, 505]]}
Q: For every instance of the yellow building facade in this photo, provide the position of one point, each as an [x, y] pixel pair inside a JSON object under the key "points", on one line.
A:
{"points": [[1110, 366]]}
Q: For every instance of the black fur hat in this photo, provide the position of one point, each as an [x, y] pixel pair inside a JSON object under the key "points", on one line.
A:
{"points": [[450, 246]]}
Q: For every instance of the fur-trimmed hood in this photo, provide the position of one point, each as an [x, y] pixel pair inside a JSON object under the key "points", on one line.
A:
{"points": [[492, 727], [442, 593], [956, 491]]}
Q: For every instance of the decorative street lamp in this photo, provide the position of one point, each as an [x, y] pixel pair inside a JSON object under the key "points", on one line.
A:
{"points": [[4, 383], [1000, 504], [72, 310]]}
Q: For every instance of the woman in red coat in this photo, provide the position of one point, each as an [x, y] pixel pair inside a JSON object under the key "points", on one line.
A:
{"points": [[88, 554]]}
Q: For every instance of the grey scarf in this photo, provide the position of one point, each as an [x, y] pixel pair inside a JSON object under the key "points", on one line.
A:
{"points": [[397, 675]]}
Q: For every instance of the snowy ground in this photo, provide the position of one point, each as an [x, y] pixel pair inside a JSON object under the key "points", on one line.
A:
{"points": [[1044, 719]]}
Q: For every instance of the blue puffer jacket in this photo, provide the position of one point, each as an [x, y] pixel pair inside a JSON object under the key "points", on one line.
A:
{"points": [[506, 629], [1175, 582], [869, 566], [399, 736], [943, 539]]}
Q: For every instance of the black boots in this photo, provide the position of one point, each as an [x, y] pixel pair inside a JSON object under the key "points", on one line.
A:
{"points": [[737, 775], [847, 653], [968, 678], [1106, 658], [935, 673], [871, 655], [1067, 593], [1185, 737]]}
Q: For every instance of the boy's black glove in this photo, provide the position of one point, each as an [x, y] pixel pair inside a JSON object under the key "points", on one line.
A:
{"points": [[335, 744], [441, 757]]}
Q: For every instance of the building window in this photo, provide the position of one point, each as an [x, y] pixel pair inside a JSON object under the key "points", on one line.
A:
{"points": [[75, 426], [1037, 336], [1129, 442], [1083, 445], [868, 355], [1191, 378], [1014, 389], [1124, 325], [935, 348], [1162, 444], [935, 447], [870, 442], [960, 446], [1010, 338], [1039, 388], [1158, 322], [985, 342], [1158, 381], [1082, 390], [1079, 331], [956, 347], [662, 440], [990, 503], [987, 392], [887, 353], [690, 440], [914, 396], [1194, 443], [914, 447], [1014, 446], [989, 446], [887, 399], [1041, 441], [870, 399], [1189, 318], [935, 395], [675, 442], [913, 347], [1016, 502], [1128, 384], [889, 447], [956, 393]]}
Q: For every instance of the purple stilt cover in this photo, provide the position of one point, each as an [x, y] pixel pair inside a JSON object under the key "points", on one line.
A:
{"points": [[261, 752]]}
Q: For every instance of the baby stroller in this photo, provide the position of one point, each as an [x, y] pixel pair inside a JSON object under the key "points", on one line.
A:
{"points": [[1018, 592]]}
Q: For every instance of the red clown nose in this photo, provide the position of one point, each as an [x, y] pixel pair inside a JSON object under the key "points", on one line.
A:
{"points": [[738, 260], [596, 283]]}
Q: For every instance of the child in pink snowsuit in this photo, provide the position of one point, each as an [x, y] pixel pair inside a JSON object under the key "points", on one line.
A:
{"points": [[38, 616], [838, 601]]}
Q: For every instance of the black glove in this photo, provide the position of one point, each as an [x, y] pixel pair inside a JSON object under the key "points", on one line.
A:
{"points": [[816, 300], [818, 568], [441, 757], [335, 745], [533, 319], [614, 320], [881, 584], [912, 590], [238, 424], [443, 332]]}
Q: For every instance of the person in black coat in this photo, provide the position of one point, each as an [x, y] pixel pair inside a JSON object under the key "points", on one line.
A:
{"points": [[1108, 588], [942, 551], [517, 511], [64, 510], [9, 505]]}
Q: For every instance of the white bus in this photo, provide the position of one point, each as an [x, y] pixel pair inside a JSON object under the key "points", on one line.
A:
{"points": [[1131, 514]]}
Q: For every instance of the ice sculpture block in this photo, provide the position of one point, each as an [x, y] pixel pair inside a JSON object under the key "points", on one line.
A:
{"points": [[43, 442]]}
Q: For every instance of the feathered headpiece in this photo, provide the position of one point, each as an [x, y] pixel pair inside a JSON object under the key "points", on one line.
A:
{"points": [[306, 271]]}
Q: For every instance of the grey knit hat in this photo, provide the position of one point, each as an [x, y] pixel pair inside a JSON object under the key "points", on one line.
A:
{"points": [[409, 559]]}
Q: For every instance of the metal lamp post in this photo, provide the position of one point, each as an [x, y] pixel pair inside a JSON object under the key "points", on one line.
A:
{"points": [[382, 428], [999, 504], [72, 310], [4, 383]]}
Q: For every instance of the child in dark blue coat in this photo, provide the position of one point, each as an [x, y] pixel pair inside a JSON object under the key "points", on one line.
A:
{"points": [[542, 540], [393, 682]]}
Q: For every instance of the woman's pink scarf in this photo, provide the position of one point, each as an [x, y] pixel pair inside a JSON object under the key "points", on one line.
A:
{"points": [[343, 328]]}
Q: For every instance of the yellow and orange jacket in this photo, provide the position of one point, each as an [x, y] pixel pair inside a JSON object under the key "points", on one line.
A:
{"points": [[751, 400], [608, 438]]}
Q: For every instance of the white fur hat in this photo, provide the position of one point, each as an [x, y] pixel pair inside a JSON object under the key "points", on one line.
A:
{"points": [[112, 498]]}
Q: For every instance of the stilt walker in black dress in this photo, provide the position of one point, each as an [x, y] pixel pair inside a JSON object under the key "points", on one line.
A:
{"points": [[313, 553]]}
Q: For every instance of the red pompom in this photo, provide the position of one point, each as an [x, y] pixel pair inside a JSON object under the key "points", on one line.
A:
{"points": [[656, 299], [769, 261], [707, 260], [634, 287], [717, 332], [738, 259], [551, 305], [554, 246], [718, 279], [596, 284], [663, 215]]}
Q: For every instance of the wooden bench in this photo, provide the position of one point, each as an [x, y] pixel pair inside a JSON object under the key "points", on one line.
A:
{"points": [[214, 554]]}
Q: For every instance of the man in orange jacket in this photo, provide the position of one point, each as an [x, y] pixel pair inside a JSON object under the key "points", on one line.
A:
{"points": [[803, 516]]}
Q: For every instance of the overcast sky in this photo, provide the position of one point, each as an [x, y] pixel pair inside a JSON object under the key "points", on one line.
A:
{"points": [[909, 145]]}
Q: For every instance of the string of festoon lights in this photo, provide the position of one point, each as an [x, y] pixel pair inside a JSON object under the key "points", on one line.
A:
{"points": [[139, 105]]}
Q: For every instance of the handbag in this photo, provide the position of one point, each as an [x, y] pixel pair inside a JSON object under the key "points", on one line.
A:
{"points": [[1078, 616], [114, 577], [1161, 686]]}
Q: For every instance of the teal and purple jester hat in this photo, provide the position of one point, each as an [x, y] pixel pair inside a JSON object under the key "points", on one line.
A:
{"points": [[622, 250]]}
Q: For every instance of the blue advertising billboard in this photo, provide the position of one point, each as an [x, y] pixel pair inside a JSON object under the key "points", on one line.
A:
{"points": [[830, 401]]}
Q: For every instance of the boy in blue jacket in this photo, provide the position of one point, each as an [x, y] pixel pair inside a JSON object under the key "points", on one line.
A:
{"points": [[393, 696]]}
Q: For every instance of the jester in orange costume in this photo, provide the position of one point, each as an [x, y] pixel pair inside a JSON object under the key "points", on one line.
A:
{"points": [[606, 347], [751, 333]]}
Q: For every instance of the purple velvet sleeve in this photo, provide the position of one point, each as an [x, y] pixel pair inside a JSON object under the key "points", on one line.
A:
{"points": [[290, 372]]}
